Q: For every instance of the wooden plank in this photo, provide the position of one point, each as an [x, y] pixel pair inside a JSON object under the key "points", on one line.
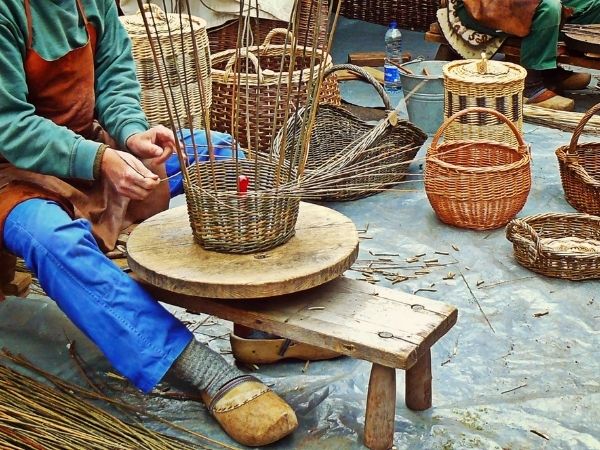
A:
{"points": [[372, 59], [346, 75], [19, 286], [350, 323], [162, 252]]}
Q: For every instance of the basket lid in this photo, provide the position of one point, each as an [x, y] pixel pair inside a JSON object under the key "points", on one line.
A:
{"points": [[160, 23], [482, 71]]}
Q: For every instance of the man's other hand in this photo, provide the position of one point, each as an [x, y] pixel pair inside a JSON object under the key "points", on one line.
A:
{"points": [[158, 143], [127, 174]]}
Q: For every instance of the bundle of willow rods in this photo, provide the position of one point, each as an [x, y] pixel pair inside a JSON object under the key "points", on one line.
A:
{"points": [[562, 120], [34, 415]]}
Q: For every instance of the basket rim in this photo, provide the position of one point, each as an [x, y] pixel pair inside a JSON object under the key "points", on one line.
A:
{"points": [[523, 161], [572, 162], [447, 71]]}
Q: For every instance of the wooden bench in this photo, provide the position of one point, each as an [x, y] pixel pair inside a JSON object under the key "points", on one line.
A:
{"points": [[12, 282], [391, 329]]}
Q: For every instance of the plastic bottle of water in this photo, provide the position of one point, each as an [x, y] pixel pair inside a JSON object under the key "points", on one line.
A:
{"points": [[393, 54]]}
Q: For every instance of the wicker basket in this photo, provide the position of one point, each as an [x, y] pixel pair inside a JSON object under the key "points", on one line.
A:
{"points": [[389, 149], [580, 169], [479, 185], [182, 72], [409, 14], [485, 84], [226, 221], [557, 244], [261, 96], [224, 37]]}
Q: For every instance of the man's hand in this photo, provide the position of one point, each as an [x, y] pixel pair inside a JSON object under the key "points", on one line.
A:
{"points": [[127, 174], [158, 143]]}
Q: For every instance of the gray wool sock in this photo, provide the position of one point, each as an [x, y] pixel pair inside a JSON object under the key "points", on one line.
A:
{"points": [[204, 369]]}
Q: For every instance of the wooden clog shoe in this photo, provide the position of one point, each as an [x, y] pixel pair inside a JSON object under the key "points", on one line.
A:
{"points": [[266, 351], [250, 412]]}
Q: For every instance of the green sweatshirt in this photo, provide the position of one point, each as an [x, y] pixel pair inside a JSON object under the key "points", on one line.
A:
{"points": [[31, 142]]}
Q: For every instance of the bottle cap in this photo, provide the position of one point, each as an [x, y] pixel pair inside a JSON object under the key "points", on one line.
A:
{"points": [[393, 24]]}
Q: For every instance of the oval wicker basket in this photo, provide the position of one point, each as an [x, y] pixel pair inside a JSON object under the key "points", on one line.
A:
{"points": [[182, 70], [479, 185], [486, 84], [559, 245], [225, 37], [226, 221], [336, 131], [579, 166], [261, 89]]}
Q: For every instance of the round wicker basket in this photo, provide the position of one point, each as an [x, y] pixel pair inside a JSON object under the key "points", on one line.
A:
{"points": [[389, 150], [481, 184], [485, 84], [580, 169], [559, 245], [260, 88], [178, 65], [225, 220], [225, 37]]}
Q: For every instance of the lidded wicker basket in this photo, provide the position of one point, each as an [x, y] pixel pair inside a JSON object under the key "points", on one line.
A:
{"points": [[225, 37], [559, 245], [477, 184], [580, 169], [178, 65], [380, 154], [486, 84], [225, 220], [261, 88]]}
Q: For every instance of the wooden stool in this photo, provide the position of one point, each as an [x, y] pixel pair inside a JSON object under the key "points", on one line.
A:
{"points": [[391, 329]]}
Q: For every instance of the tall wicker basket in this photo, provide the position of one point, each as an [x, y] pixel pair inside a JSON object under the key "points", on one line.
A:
{"points": [[580, 169], [477, 184], [485, 84], [181, 69], [224, 37], [261, 89], [377, 156]]}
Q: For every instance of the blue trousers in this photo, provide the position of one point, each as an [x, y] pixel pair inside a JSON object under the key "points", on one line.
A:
{"points": [[137, 334]]}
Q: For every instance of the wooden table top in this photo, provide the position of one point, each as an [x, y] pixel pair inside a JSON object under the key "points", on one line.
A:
{"points": [[162, 252]]}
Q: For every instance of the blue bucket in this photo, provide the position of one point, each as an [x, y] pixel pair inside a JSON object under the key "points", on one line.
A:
{"points": [[424, 94]]}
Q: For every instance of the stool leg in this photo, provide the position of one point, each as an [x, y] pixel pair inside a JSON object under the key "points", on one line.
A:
{"points": [[418, 384], [381, 408]]}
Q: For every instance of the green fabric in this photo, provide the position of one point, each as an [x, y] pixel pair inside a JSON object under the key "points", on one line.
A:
{"points": [[538, 49], [34, 143]]}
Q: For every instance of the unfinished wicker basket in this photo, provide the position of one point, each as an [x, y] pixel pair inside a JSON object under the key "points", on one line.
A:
{"points": [[481, 184], [225, 37], [261, 89], [486, 84], [384, 151], [225, 220], [409, 14], [558, 245], [580, 169], [183, 70]]}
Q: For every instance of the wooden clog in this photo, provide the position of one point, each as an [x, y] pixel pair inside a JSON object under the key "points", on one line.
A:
{"points": [[250, 412]]}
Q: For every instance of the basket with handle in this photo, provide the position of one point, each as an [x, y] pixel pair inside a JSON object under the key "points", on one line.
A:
{"points": [[579, 166], [559, 245], [189, 77], [225, 37], [261, 88], [479, 185], [373, 156]]}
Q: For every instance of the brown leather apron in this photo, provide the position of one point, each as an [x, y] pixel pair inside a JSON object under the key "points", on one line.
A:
{"points": [[63, 91]]}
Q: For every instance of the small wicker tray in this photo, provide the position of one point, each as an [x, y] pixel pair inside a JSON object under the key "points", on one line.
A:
{"points": [[559, 245], [580, 169]]}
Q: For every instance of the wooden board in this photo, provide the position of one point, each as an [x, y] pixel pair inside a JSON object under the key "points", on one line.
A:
{"points": [[162, 252], [357, 319], [19, 286]]}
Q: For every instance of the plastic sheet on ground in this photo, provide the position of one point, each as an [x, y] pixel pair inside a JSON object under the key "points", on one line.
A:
{"points": [[520, 369]]}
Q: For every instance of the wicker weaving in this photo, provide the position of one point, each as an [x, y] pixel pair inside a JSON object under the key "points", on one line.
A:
{"points": [[225, 37], [487, 84], [374, 157], [262, 91], [477, 184], [580, 169], [178, 62], [409, 14], [558, 245]]}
